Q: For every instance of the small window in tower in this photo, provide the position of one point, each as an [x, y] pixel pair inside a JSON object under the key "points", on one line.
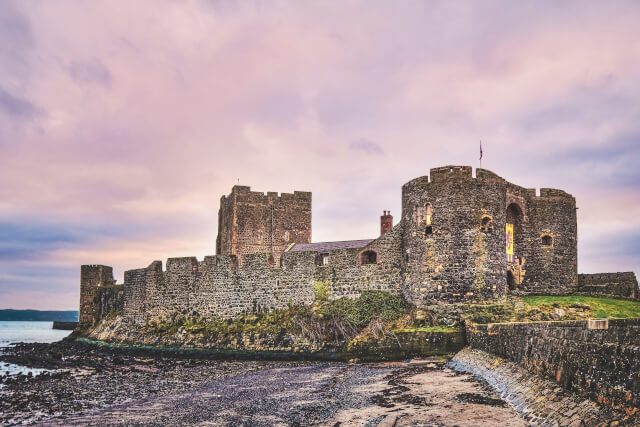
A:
{"points": [[368, 257], [325, 259], [277, 282], [547, 240], [286, 236], [429, 232], [486, 224], [259, 236], [428, 214]]}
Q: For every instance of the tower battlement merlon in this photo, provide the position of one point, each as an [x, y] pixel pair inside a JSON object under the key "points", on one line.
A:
{"points": [[451, 172], [243, 191], [256, 222], [487, 176], [555, 193]]}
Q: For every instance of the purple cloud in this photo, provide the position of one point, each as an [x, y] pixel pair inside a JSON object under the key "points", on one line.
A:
{"points": [[92, 72], [366, 146], [143, 127], [17, 107]]}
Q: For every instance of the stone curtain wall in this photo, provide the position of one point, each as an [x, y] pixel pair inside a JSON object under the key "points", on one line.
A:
{"points": [[616, 285], [219, 287], [135, 293], [347, 277], [253, 222], [599, 359]]}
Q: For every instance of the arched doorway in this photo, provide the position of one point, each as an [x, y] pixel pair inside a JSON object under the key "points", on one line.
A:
{"points": [[511, 283]]}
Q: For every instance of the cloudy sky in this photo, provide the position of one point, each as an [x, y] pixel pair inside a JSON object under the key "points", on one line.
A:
{"points": [[122, 123]]}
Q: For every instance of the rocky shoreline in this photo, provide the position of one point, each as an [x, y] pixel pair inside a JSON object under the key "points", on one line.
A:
{"points": [[89, 384], [82, 376]]}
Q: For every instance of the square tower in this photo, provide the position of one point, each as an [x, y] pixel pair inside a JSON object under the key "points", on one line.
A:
{"points": [[91, 277], [254, 222]]}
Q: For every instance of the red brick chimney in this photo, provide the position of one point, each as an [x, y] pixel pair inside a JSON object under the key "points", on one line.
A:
{"points": [[386, 222]]}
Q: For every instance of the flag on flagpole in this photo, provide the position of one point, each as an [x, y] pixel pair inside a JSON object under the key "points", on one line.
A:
{"points": [[480, 149]]}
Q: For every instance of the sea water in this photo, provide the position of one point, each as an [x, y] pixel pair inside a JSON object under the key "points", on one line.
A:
{"points": [[12, 332]]}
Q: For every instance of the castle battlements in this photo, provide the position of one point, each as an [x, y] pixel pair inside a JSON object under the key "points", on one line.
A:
{"points": [[460, 238]]}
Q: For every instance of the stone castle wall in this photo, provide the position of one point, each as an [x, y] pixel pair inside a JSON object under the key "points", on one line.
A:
{"points": [[595, 358], [220, 287], [91, 277], [449, 246], [347, 276], [616, 285], [451, 257], [454, 238], [253, 222], [549, 269], [108, 299]]}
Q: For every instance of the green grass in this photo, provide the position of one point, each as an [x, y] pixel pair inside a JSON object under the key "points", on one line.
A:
{"points": [[429, 329], [600, 307]]}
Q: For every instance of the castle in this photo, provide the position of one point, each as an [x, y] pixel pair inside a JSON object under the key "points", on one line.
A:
{"points": [[460, 239]]}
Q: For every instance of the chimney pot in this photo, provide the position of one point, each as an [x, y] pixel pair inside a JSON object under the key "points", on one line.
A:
{"points": [[386, 222]]}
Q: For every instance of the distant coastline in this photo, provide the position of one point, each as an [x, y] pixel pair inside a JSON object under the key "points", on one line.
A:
{"points": [[38, 315]]}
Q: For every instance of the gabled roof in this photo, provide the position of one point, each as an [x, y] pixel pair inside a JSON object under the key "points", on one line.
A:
{"points": [[325, 247]]}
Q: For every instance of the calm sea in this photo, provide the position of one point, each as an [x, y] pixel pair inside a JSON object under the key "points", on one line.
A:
{"points": [[13, 332]]}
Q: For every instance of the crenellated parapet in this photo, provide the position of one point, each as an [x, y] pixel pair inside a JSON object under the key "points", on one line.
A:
{"points": [[255, 222], [456, 229], [461, 238], [218, 286]]}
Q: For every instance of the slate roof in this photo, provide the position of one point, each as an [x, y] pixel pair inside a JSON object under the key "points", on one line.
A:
{"points": [[325, 247]]}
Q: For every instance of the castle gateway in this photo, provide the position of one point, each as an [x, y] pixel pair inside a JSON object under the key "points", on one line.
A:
{"points": [[459, 239]]}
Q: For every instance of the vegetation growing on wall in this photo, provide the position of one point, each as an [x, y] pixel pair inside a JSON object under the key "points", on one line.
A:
{"points": [[338, 321], [321, 290]]}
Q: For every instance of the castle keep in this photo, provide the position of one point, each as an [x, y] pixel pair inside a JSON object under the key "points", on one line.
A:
{"points": [[250, 222], [460, 238]]}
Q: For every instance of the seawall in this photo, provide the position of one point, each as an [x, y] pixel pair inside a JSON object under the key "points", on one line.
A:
{"points": [[65, 326], [540, 401], [598, 359]]}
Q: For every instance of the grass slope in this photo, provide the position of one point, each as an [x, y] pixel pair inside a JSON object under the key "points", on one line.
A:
{"points": [[599, 307]]}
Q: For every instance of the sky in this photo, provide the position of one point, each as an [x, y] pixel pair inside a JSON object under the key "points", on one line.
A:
{"points": [[123, 123]]}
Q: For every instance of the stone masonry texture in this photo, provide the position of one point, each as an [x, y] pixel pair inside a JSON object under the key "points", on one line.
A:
{"points": [[540, 401], [454, 237], [253, 222], [448, 247], [598, 359], [616, 285], [92, 277]]}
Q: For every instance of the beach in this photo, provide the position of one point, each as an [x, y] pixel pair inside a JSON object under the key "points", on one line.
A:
{"points": [[88, 384]]}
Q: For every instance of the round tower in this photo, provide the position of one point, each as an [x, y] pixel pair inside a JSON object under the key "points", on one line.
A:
{"points": [[454, 237]]}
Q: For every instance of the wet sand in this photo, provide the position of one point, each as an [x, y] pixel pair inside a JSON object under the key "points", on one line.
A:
{"points": [[104, 387]]}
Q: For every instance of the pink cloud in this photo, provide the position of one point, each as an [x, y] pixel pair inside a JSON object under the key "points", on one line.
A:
{"points": [[148, 113]]}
